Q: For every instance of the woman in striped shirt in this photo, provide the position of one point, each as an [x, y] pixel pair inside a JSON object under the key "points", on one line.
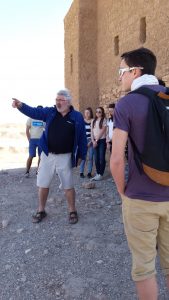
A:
{"points": [[88, 118]]}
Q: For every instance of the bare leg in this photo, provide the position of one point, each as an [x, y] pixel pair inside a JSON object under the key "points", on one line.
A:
{"points": [[28, 164], [38, 161], [147, 289], [41, 214], [43, 195], [70, 196]]}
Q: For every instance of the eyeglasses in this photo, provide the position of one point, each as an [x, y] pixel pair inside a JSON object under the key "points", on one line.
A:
{"points": [[98, 112], [60, 100], [128, 69]]}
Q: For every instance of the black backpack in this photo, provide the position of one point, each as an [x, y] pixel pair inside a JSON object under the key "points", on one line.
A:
{"points": [[154, 160]]}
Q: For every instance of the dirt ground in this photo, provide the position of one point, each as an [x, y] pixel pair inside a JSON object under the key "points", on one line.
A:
{"points": [[54, 260]]}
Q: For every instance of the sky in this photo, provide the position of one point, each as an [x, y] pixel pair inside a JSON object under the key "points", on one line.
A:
{"points": [[31, 53]]}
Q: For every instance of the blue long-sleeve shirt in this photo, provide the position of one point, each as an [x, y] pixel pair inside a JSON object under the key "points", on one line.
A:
{"points": [[47, 114]]}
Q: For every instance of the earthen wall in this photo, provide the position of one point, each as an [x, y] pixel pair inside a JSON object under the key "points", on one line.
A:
{"points": [[106, 30]]}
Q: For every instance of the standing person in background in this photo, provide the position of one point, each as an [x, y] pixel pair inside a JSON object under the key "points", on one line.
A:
{"points": [[88, 117], [34, 130], [111, 108], [63, 145], [98, 135]]}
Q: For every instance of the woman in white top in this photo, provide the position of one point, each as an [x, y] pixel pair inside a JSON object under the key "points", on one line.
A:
{"points": [[111, 108], [98, 135]]}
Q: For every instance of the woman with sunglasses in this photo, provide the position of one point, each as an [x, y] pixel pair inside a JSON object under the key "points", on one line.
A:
{"points": [[98, 135], [88, 118]]}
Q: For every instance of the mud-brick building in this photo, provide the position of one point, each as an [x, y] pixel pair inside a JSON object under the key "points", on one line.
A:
{"points": [[98, 31]]}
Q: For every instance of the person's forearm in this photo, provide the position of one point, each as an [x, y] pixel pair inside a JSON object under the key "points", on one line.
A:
{"points": [[92, 136], [28, 136], [118, 173]]}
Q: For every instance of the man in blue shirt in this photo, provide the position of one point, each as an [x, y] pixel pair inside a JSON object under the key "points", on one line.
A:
{"points": [[63, 145]]}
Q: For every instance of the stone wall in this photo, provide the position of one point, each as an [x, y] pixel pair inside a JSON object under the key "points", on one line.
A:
{"points": [[81, 53], [106, 30], [71, 41], [88, 88]]}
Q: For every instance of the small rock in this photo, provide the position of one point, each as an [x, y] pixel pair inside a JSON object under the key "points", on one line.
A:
{"points": [[27, 251], [7, 267], [88, 185], [5, 223], [23, 279], [51, 200], [90, 246], [99, 261], [19, 230], [116, 232]]}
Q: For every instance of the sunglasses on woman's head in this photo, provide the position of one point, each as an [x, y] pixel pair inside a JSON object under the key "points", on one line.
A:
{"points": [[98, 111]]}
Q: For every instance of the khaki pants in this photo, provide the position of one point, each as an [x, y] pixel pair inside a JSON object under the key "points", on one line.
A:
{"points": [[146, 225]]}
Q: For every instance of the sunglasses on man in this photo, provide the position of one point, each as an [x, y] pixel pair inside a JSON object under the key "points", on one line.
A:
{"points": [[128, 69]]}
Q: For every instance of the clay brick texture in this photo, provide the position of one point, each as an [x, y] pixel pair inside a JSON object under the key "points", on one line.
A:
{"points": [[97, 32]]}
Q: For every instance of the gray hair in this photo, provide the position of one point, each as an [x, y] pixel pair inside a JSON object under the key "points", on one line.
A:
{"points": [[66, 94]]}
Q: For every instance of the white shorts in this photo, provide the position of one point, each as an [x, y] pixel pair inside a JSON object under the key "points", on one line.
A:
{"points": [[52, 164]]}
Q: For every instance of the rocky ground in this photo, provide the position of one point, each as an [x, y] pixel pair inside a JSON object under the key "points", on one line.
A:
{"points": [[54, 260]]}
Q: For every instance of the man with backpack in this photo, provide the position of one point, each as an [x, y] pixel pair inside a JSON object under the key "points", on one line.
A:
{"points": [[145, 198]]}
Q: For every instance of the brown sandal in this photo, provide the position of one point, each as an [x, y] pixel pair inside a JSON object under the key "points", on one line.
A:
{"points": [[73, 217], [39, 216]]}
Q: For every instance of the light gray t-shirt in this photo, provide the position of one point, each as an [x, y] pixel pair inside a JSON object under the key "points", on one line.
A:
{"points": [[36, 128]]}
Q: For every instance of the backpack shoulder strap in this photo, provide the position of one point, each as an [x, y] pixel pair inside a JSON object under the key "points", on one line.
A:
{"points": [[167, 91], [164, 96], [145, 91], [151, 93]]}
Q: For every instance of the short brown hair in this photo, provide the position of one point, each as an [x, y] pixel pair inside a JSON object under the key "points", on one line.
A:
{"points": [[141, 57]]}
